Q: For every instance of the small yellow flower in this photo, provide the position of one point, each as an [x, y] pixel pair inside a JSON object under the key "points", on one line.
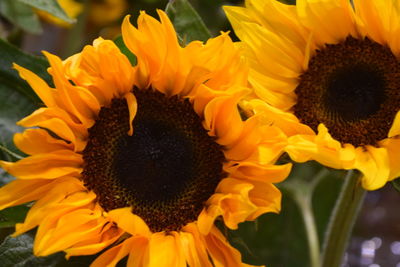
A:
{"points": [[140, 160], [328, 73]]}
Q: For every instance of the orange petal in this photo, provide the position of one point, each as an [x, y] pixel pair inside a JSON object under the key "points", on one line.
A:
{"points": [[38, 141], [113, 255], [221, 252], [45, 93], [132, 106], [22, 191], [45, 166], [165, 250], [129, 222]]}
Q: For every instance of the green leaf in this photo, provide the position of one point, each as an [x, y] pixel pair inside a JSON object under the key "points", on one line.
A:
{"points": [[187, 22], [21, 15], [119, 41], [10, 216], [396, 184], [51, 7], [17, 252], [9, 54], [17, 99]]}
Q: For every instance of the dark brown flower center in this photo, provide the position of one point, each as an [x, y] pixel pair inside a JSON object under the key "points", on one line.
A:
{"points": [[166, 170], [353, 88]]}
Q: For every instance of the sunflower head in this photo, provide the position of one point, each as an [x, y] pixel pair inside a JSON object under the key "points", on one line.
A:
{"points": [[140, 160], [328, 74]]}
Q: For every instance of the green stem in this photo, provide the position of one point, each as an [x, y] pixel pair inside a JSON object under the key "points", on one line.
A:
{"points": [[303, 198], [342, 220], [311, 230]]}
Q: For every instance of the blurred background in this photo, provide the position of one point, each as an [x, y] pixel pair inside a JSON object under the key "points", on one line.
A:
{"points": [[275, 240]]}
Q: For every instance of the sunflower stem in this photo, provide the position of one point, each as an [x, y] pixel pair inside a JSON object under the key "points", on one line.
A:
{"points": [[311, 230], [342, 220], [302, 193]]}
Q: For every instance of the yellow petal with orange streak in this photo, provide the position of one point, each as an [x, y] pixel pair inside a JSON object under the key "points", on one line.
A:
{"points": [[221, 252], [37, 141], [129, 222], [45, 166], [165, 250], [22, 191], [45, 93]]}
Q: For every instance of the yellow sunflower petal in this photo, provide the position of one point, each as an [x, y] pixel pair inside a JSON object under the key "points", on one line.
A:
{"points": [[130, 222], [132, 106], [71, 228], [40, 87], [322, 148], [395, 129], [58, 122], [66, 195], [374, 164], [37, 141], [79, 102], [329, 20], [108, 235], [392, 146], [378, 19], [223, 120], [21, 191], [165, 249], [46, 166], [259, 172], [113, 255], [221, 252], [193, 247], [231, 201]]}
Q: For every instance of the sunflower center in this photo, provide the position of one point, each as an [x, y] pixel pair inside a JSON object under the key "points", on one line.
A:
{"points": [[353, 88], [166, 170]]}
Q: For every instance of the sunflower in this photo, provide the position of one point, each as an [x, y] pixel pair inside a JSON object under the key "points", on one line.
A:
{"points": [[140, 160], [328, 73]]}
